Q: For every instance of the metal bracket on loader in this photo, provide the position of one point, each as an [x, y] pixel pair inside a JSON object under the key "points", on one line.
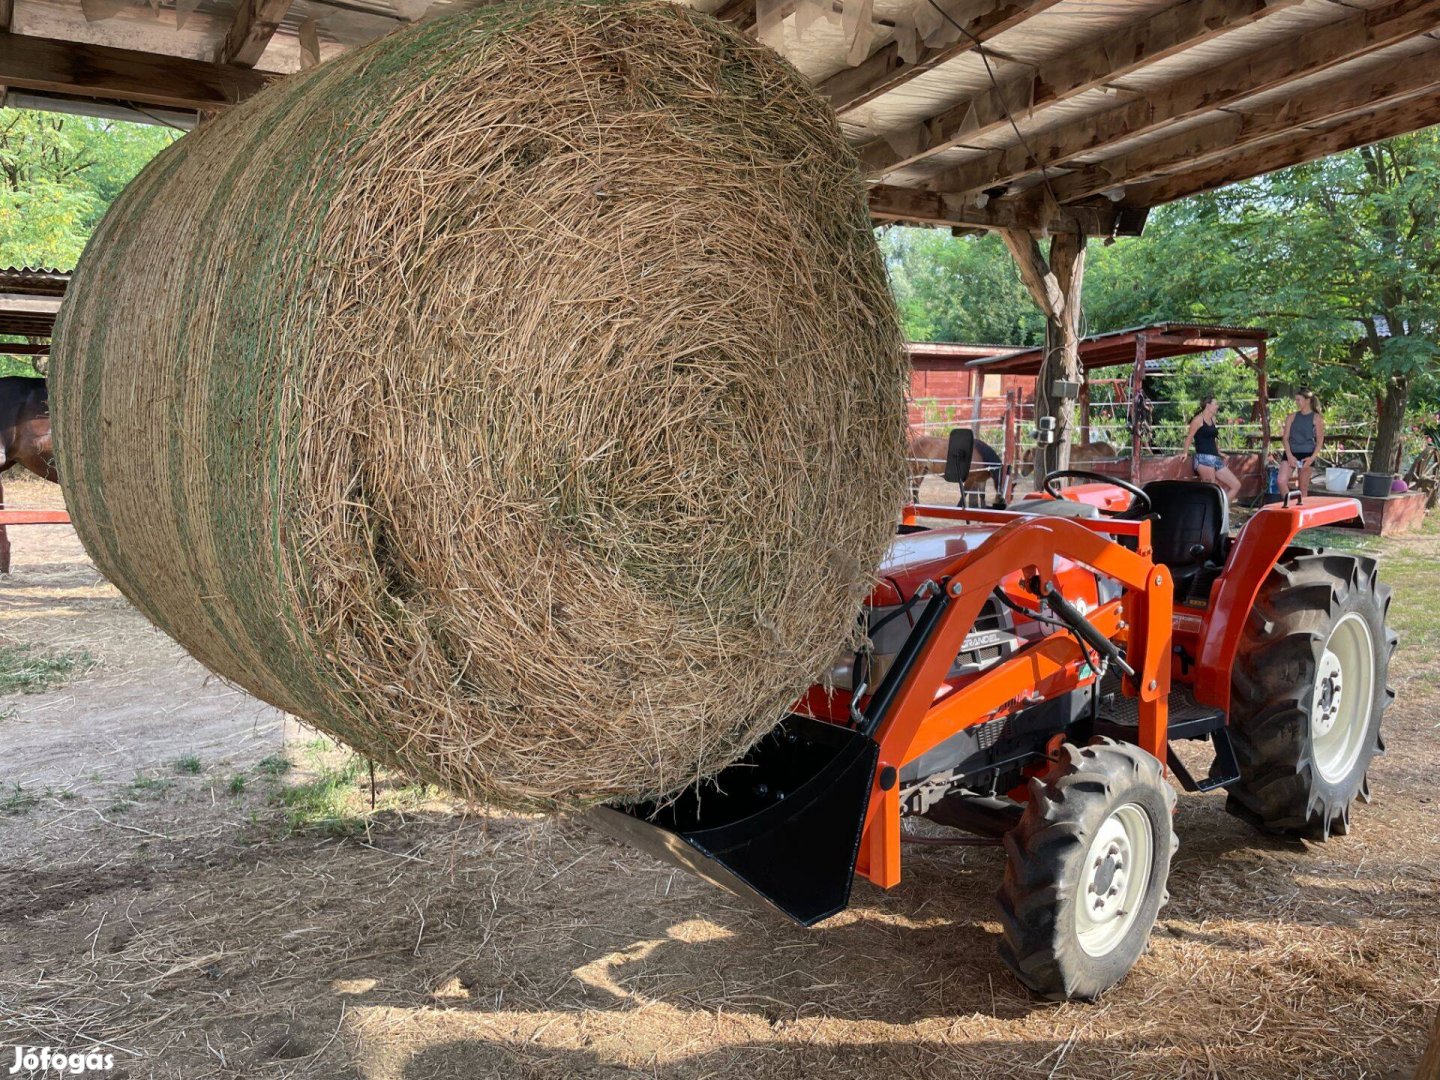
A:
{"points": [[816, 802]]}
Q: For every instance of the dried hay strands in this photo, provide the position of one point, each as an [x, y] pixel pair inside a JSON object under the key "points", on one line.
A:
{"points": [[518, 399]]}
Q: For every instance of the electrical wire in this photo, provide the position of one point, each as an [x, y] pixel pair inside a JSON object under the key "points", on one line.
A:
{"points": [[995, 85]]}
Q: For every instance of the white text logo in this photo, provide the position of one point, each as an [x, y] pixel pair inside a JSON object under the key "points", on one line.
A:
{"points": [[39, 1059]]}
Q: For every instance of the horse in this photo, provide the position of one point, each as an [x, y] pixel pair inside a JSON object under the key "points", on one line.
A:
{"points": [[1082, 455], [24, 438], [926, 456]]}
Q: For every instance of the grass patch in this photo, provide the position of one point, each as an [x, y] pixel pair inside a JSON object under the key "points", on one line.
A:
{"points": [[236, 785], [334, 797], [189, 765], [27, 669], [156, 785], [274, 765], [16, 800], [328, 803], [1347, 540], [1415, 607]]}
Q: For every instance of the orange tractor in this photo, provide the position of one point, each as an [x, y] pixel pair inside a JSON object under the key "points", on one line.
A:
{"points": [[1026, 674]]}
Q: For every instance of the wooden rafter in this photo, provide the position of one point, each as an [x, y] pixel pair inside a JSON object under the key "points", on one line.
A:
{"points": [[1165, 33], [1318, 50], [98, 71], [1185, 25], [251, 29], [1391, 84], [911, 206], [886, 69], [1296, 148]]}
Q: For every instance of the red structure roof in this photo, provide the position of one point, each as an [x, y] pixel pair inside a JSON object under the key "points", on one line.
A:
{"points": [[1118, 347]]}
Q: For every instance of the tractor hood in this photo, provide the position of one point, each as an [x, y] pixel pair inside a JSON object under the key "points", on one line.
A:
{"points": [[917, 557]]}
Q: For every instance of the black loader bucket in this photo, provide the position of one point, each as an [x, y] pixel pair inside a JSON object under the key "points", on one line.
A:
{"points": [[782, 825]]}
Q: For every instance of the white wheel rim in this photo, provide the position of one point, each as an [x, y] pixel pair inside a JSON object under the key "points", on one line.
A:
{"points": [[1344, 695], [1116, 875]]}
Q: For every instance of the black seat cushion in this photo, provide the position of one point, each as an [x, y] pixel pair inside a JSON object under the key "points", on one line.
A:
{"points": [[1191, 528]]}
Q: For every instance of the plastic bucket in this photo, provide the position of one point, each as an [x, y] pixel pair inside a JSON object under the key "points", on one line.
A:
{"points": [[1377, 485]]}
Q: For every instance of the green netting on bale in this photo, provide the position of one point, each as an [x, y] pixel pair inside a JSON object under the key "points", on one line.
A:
{"points": [[518, 399]]}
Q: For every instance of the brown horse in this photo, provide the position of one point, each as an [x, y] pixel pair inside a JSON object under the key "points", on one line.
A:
{"points": [[926, 456], [24, 438], [1082, 456]]}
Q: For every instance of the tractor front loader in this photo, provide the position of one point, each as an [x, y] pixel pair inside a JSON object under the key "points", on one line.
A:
{"points": [[1026, 675]]}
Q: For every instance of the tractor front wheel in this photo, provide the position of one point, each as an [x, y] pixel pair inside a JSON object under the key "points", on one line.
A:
{"points": [[1308, 693], [1087, 869]]}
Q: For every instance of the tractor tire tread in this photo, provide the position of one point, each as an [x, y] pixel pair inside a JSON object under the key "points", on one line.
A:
{"points": [[1280, 790]]}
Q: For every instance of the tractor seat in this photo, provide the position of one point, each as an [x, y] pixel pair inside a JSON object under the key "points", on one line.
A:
{"points": [[1190, 531]]}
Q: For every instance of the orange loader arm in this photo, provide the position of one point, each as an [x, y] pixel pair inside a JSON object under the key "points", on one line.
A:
{"points": [[920, 718]]}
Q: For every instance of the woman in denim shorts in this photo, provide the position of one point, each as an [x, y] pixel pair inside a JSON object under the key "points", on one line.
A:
{"points": [[1209, 464]]}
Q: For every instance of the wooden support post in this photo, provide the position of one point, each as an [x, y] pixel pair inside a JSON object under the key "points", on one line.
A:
{"points": [[1085, 412], [1262, 392], [1054, 284], [251, 29], [1137, 390], [1010, 454]]}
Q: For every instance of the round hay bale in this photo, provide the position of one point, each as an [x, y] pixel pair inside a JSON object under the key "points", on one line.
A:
{"points": [[518, 399]]}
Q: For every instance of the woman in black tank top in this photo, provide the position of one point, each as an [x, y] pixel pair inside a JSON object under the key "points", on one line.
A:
{"points": [[1209, 464], [1304, 436]]}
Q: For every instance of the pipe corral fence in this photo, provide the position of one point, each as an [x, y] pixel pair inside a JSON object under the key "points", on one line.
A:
{"points": [[991, 389]]}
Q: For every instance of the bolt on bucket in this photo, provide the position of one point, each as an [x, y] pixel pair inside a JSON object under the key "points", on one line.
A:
{"points": [[781, 826]]}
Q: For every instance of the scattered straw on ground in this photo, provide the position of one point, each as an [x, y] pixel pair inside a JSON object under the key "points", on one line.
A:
{"points": [[205, 934]]}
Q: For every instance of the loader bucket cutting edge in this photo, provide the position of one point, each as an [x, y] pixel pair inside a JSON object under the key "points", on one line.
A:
{"points": [[781, 826]]}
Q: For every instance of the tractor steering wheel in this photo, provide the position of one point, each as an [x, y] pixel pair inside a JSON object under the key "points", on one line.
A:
{"points": [[1139, 501]]}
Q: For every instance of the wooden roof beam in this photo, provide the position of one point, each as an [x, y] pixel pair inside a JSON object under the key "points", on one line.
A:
{"points": [[1163, 34], [885, 69], [251, 29], [1302, 146], [98, 71], [1392, 84], [910, 206], [1317, 50]]}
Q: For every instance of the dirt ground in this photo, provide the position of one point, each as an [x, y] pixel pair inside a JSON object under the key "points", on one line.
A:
{"points": [[159, 900]]}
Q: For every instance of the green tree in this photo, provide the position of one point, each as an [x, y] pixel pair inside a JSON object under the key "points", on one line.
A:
{"points": [[58, 175], [1340, 256], [959, 289]]}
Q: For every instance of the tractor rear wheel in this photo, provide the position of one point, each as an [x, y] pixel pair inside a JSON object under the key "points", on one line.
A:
{"points": [[1308, 693], [1087, 869]]}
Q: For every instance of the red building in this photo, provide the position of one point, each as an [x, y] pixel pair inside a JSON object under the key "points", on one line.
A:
{"points": [[942, 384]]}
